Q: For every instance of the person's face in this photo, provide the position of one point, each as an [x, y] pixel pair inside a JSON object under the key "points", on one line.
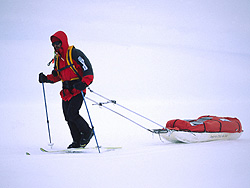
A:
{"points": [[57, 45]]}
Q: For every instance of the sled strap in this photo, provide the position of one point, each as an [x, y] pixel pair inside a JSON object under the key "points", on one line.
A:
{"points": [[204, 127], [175, 122]]}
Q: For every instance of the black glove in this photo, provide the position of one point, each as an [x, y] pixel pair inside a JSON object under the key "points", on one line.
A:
{"points": [[80, 86], [42, 78], [54, 73]]}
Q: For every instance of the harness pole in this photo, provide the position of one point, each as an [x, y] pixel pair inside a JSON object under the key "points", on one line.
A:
{"points": [[114, 102], [100, 104]]}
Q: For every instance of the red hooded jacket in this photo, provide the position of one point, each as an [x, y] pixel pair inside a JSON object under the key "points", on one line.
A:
{"points": [[65, 73]]}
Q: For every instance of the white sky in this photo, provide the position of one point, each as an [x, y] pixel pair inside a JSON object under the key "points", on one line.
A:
{"points": [[160, 49]]}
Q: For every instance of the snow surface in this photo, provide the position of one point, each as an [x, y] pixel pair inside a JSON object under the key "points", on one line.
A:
{"points": [[163, 59]]}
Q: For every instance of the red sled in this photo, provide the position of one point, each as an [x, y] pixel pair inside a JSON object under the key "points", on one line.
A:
{"points": [[206, 124], [203, 129]]}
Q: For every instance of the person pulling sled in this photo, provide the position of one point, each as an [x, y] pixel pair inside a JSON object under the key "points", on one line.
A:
{"points": [[73, 68]]}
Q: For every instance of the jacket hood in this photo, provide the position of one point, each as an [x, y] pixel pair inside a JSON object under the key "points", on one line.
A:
{"points": [[60, 35]]}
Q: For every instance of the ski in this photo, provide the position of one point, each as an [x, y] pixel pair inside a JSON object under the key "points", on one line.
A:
{"points": [[81, 150]]}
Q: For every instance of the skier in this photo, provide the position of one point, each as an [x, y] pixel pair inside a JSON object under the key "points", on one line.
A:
{"points": [[73, 68]]}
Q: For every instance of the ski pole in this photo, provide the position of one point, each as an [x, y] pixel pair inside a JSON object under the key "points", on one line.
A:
{"points": [[90, 121], [50, 143]]}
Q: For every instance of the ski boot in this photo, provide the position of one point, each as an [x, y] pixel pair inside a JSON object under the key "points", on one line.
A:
{"points": [[85, 139]]}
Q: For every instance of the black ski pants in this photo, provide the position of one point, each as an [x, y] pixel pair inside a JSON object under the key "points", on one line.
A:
{"points": [[77, 124]]}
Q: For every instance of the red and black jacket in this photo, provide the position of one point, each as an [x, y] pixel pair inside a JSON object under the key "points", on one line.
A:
{"points": [[71, 66]]}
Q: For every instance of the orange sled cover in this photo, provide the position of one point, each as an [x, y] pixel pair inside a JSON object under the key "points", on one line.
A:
{"points": [[206, 124]]}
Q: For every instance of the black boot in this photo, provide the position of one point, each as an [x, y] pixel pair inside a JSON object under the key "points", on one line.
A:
{"points": [[85, 138], [74, 145]]}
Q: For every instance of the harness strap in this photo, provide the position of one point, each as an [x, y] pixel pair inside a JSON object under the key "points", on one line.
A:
{"points": [[59, 70], [56, 62], [70, 62]]}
